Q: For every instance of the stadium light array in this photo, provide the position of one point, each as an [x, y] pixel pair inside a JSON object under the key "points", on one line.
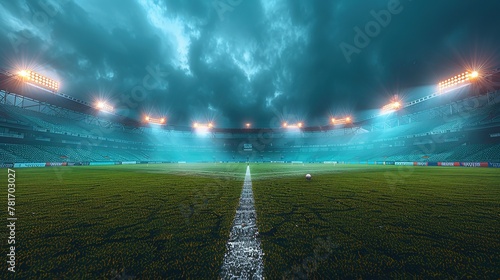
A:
{"points": [[202, 128], [36, 79], [391, 107], [346, 120], [294, 125], [248, 125], [158, 121], [458, 80], [198, 125], [103, 106]]}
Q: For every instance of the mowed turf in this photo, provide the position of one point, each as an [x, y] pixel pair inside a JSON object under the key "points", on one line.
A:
{"points": [[378, 222], [173, 221], [151, 222]]}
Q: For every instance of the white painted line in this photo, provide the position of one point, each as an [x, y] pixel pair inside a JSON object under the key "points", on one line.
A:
{"points": [[243, 258]]}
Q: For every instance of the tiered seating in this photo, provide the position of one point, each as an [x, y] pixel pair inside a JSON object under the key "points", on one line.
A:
{"points": [[486, 154], [465, 151], [399, 143], [23, 153], [6, 155]]}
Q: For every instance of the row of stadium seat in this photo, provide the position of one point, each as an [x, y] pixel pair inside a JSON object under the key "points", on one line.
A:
{"points": [[366, 143], [29, 153]]}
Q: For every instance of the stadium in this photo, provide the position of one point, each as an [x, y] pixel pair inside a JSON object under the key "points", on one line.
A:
{"points": [[464, 128], [100, 188]]}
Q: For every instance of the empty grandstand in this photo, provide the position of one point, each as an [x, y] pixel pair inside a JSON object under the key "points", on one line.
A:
{"points": [[462, 127]]}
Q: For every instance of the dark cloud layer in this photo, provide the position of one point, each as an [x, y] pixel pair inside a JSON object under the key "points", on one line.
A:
{"points": [[235, 61]]}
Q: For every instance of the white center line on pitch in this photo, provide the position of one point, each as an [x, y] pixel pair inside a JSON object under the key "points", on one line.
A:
{"points": [[243, 258]]}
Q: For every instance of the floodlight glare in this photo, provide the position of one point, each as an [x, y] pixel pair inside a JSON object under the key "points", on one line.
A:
{"points": [[247, 125], [292, 126], [458, 80], [157, 121], [38, 80], [336, 121], [203, 126], [393, 106], [103, 106]]}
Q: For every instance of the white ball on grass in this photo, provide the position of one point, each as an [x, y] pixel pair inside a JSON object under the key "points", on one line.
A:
{"points": [[308, 176]]}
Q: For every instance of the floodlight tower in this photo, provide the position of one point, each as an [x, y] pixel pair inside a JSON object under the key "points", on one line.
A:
{"points": [[155, 121], [394, 105], [203, 129], [37, 80], [297, 125], [104, 107], [337, 121], [206, 126], [463, 79]]}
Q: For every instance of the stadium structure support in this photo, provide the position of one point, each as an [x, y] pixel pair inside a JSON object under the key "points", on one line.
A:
{"points": [[9, 98]]}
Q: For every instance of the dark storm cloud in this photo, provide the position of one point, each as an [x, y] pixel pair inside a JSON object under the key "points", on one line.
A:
{"points": [[241, 60]]}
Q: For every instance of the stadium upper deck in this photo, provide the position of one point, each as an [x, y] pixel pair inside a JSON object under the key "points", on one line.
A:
{"points": [[450, 128], [459, 126], [467, 86]]}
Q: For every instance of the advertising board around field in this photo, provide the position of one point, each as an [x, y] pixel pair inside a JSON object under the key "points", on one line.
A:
{"points": [[6, 165], [419, 163], [474, 164], [129, 162], [29, 164], [390, 163], [443, 163], [102, 163], [404, 163], [55, 164], [494, 164]]}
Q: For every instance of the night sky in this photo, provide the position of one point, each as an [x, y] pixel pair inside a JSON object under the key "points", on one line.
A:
{"points": [[237, 61]]}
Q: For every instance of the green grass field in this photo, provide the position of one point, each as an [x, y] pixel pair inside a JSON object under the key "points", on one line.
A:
{"points": [[173, 221]]}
